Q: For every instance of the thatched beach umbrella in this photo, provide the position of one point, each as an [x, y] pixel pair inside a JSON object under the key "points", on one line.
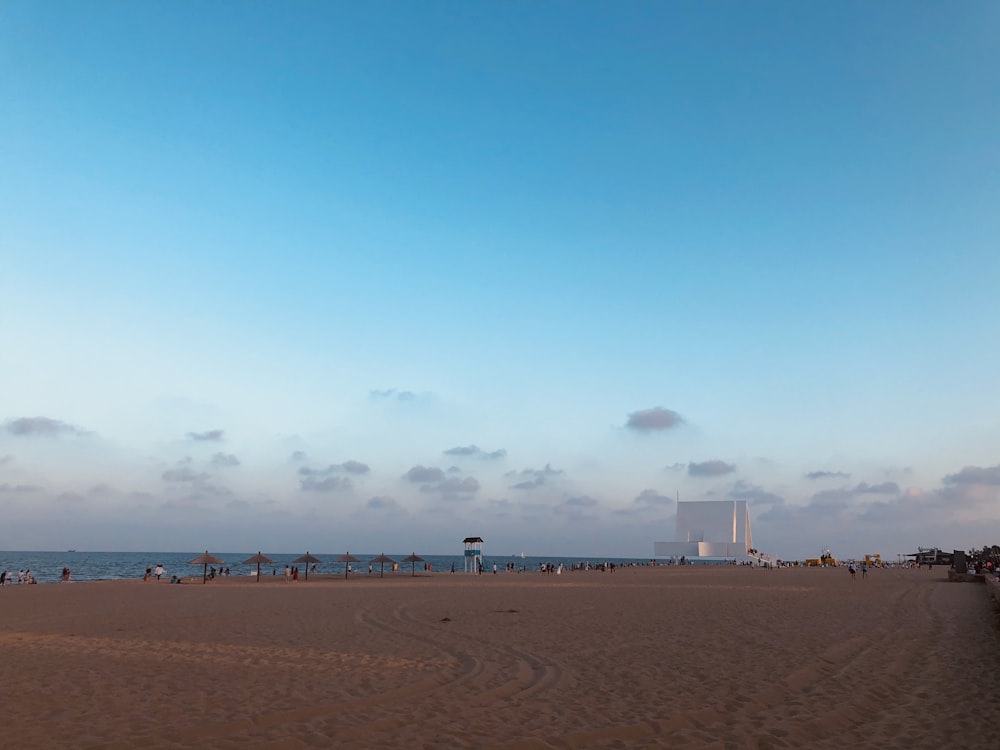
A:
{"points": [[382, 560], [258, 558], [347, 559], [205, 560], [307, 559], [413, 560]]}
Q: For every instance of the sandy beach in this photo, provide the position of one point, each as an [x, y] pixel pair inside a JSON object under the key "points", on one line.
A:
{"points": [[647, 657]]}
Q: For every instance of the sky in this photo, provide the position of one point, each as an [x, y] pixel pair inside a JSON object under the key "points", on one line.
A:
{"points": [[384, 275]]}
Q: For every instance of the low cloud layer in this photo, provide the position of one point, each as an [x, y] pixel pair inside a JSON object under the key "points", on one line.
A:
{"points": [[453, 487], [710, 469], [534, 478], [578, 509], [324, 484], [757, 496], [184, 473], [393, 394], [19, 488], [423, 474], [827, 475], [382, 503], [209, 436], [187, 487], [475, 450], [882, 488], [975, 475], [42, 427], [433, 480], [330, 478], [347, 467], [653, 420], [652, 498]]}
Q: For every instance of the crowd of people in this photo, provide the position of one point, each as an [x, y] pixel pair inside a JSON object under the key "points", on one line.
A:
{"points": [[24, 576]]}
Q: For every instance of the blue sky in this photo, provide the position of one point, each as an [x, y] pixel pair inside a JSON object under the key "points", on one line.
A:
{"points": [[384, 275]]}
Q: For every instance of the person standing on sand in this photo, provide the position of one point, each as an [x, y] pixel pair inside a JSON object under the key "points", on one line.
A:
{"points": [[3, 577], [159, 571], [851, 570], [288, 574]]}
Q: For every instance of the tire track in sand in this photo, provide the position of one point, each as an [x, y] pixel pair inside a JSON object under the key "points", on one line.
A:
{"points": [[827, 698]]}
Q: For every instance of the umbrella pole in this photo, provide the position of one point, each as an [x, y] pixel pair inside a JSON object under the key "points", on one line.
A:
{"points": [[204, 574], [258, 572]]}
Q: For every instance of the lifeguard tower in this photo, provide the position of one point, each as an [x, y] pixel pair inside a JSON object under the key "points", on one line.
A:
{"points": [[473, 553]]}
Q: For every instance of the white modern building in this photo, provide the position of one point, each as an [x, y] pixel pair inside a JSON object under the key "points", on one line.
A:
{"points": [[711, 530]]}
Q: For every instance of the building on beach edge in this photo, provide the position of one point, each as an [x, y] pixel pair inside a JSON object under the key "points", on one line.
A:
{"points": [[711, 531]]}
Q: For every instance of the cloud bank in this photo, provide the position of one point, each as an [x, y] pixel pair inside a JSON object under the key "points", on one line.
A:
{"points": [[653, 420], [42, 427]]}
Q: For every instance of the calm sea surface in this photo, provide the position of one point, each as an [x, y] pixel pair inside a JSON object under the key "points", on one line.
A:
{"points": [[47, 567]]}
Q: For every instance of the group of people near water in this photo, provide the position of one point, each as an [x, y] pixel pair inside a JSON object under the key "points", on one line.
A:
{"points": [[24, 576]]}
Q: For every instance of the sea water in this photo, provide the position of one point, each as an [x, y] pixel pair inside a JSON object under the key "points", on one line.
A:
{"points": [[46, 567]]}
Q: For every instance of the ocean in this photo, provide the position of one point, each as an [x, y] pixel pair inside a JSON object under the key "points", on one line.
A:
{"points": [[47, 567]]}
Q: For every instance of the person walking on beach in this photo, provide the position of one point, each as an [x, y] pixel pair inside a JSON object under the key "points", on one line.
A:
{"points": [[3, 577], [851, 570], [159, 571], [20, 575], [864, 571], [288, 574]]}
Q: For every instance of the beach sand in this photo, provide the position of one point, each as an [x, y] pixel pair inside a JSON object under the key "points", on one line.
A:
{"points": [[721, 658]]}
